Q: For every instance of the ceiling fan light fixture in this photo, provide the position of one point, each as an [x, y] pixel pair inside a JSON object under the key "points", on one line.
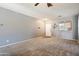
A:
{"points": [[49, 4], [36, 4]]}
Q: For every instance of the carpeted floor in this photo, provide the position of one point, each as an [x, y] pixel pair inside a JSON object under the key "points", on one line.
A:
{"points": [[44, 47]]}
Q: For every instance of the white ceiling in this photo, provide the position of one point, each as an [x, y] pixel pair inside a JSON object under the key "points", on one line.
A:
{"points": [[42, 11]]}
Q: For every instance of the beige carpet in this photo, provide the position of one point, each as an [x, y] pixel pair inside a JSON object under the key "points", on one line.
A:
{"points": [[44, 47]]}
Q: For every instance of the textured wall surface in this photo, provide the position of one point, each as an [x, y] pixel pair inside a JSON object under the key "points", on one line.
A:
{"points": [[16, 27]]}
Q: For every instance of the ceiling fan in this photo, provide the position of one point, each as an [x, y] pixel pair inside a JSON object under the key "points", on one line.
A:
{"points": [[48, 4]]}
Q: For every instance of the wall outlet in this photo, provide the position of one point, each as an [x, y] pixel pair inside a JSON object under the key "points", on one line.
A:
{"points": [[7, 40]]}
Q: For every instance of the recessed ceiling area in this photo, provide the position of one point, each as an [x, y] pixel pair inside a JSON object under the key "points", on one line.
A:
{"points": [[42, 11]]}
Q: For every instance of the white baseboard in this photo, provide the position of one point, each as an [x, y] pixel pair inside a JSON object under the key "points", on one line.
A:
{"points": [[15, 43]]}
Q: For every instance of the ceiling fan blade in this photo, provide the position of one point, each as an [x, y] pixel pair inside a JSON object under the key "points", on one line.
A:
{"points": [[49, 4], [36, 4]]}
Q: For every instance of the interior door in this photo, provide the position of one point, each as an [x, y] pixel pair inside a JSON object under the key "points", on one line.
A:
{"points": [[48, 30]]}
